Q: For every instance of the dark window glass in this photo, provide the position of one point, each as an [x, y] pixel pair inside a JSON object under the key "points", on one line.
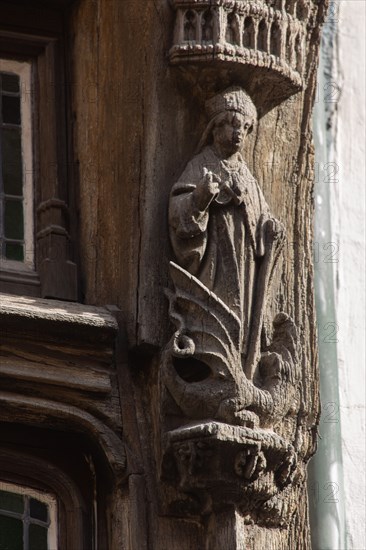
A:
{"points": [[37, 537], [11, 109], [12, 161], [38, 510], [13, 219], [14, 252], [11, 533], [11, 502], [10, 83], [24, 522], [11, 170]]}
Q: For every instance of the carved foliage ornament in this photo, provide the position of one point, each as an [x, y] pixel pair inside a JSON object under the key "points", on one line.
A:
{"points": [[225, 384]]}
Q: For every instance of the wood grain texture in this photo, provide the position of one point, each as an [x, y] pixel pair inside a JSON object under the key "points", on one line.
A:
{"points": [[136, 124], [64, 313]]}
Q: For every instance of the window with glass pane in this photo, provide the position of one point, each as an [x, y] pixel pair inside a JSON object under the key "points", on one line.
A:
{"points": [[27, 519], [16, 195]]}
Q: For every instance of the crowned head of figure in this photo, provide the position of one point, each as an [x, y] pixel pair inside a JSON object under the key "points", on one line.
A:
{"points": [[232, 116]]}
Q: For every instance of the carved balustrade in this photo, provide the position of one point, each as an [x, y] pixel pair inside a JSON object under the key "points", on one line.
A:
{"points": [[259, 34]]}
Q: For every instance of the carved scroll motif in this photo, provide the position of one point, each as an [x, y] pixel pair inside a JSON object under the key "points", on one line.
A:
{"points": [[225, 388]]}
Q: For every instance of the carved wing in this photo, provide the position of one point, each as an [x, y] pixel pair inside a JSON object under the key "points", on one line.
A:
{"points": [[207, 331], [199, 314]]}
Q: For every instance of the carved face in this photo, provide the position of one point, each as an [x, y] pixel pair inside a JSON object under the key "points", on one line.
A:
{"points": [[230, 131]]}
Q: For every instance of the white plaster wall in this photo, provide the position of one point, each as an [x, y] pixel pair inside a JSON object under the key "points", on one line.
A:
{"points": [[349, 230]]}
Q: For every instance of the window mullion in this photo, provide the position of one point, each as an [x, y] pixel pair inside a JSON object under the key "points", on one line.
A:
{"points": [[26, 522]]}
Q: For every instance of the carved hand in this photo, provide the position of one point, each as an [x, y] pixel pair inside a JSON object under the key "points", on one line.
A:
{"points": [[207, 189], [237, 188], [274, 230]]}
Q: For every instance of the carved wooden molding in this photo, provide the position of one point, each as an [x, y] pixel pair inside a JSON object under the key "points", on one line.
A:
{"points": [[38, 33], [57, 369]]}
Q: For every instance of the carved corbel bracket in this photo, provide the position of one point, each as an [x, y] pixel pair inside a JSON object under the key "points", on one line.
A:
{"points": [[219, 466]]}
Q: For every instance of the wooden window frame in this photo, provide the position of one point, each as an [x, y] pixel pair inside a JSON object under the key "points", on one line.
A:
{"points": [[23, 71], [26, 469], [50, 500], [37, 33]]}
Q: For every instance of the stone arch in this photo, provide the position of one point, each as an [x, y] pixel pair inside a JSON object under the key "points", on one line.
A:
{"points": [[262, 40], [248, 33], [207, 26], [275, 40], [232, 29], [190, 26]]}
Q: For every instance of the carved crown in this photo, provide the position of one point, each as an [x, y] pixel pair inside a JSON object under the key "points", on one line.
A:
{"points": [[233, 99], [266, 34]]}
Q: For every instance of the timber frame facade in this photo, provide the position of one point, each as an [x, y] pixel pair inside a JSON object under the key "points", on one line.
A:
{"points": [[158, 367]]}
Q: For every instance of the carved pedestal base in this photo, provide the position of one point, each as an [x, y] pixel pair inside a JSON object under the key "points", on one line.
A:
{"points": [[219, 466]]}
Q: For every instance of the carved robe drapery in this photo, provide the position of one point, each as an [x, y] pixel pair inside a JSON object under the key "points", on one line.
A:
{"points": [[224, 245]]}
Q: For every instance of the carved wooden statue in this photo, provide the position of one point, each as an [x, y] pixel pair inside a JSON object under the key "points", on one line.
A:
{"points": [[222, 232], [220, 367]]}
